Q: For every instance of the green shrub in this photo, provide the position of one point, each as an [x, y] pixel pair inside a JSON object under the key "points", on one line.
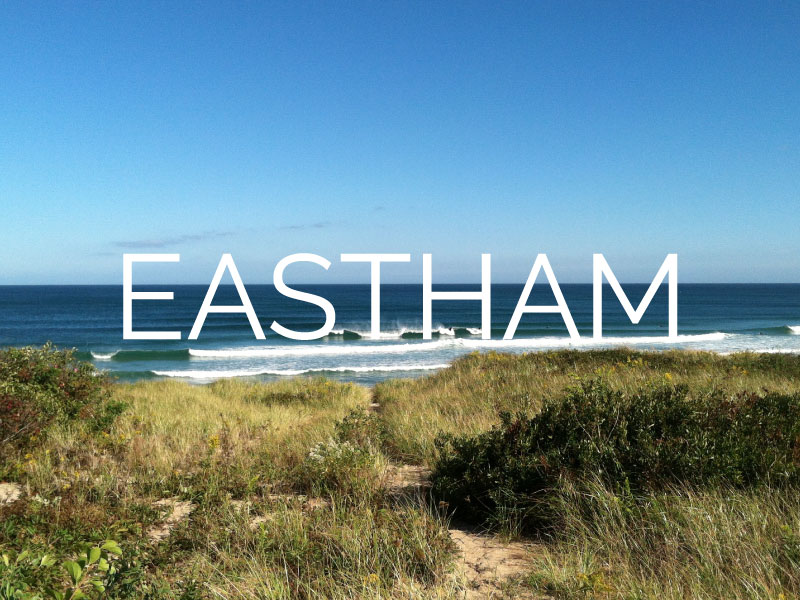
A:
{"points": [[348, 464], [339, 468], [27, 576], [363, 429], [43, 386], [647, 440]]}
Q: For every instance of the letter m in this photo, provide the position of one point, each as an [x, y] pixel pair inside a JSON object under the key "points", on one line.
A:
{"points": [[669, 269]]}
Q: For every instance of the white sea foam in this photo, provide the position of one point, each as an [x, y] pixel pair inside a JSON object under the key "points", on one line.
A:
{"points": [[99, 356], [394, 334], [362, 333], [465, 343], [326, 350], [222, 374], [566, 342], [795, 329], [761, 351]]}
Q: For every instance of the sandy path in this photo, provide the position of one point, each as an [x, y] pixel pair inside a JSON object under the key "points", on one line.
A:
{"points": [[485, 562]]}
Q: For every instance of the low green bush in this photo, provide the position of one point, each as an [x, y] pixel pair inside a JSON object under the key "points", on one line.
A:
{"points": [[348, 464], [658, 436], [28, 576], [339, 468], [362, 429], [43, 386]]}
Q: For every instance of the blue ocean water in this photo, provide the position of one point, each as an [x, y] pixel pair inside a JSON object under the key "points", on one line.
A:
{"points": [[717, 317]]}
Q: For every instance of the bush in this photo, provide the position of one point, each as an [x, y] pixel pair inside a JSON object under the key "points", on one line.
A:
{"points": [[43, 386], [632, 443], [365, 430], [29, 576], [339, 468], [348, 464]]}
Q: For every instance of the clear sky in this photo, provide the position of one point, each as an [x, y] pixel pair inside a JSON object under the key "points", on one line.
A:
{"points": [[633, 129]]}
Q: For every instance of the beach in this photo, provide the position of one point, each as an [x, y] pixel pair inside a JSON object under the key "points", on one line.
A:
{"points": [[399, 301]]}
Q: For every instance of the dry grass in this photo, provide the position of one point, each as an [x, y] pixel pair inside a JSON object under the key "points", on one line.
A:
{"points": [[467, 397], [239, 455], [172, 429], [718, 543], [233, 456]]}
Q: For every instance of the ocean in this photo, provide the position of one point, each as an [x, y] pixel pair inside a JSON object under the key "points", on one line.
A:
{"points": [[718, 317]]}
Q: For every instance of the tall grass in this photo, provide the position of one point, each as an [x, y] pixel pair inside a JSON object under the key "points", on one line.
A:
{"points": [[359, 550], [287, 486], [245, 456], [680, 543], [176, 435], [467, 397]]}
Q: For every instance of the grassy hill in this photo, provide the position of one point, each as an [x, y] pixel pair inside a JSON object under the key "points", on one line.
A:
{"points": [[627, 475]]}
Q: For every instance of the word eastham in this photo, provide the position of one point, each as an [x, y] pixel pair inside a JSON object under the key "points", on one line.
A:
{"points": [[601, 271]]}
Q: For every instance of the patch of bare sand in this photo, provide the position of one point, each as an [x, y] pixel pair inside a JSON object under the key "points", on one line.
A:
{"points": [[302, 500], [10, 493], [484, 561], [487, 562], [178, 511]]}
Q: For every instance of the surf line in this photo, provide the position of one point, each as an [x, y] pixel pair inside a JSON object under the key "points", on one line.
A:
{"points": [[601, 270]]}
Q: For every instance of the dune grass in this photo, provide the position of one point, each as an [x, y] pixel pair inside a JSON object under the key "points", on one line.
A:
{"points": [[241, 455], [171, 433], [468, 396], [679, 543], [285, 490]]}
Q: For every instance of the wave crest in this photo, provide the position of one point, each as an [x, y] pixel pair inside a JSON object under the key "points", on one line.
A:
{"points": [[406, 333], [452, 343], [137, 355], [223, 374]]}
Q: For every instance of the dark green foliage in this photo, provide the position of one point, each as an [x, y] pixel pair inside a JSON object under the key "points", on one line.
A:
{"points": [[637, 442], [43, 386], [23, 575]]}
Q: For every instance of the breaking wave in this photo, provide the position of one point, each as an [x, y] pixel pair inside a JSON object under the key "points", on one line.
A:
{"points": [[134, 355], [403, 333], [472, 344], [222, 374]]}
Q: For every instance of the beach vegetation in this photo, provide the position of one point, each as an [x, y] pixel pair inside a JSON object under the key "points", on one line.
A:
{"points": [[41, 387], [621, 474], [647, 440]]}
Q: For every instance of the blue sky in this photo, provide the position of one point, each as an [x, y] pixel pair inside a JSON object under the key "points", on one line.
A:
{"points": [[633, 129]]}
